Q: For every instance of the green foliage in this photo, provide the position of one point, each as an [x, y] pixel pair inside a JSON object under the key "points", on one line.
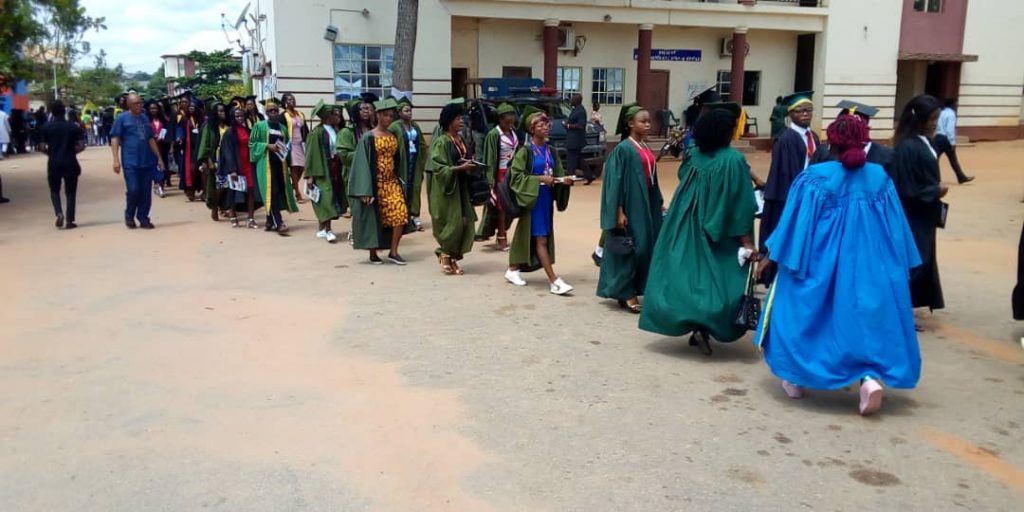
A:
{"points": [[157, 87], [17, 26], [213, 75]]}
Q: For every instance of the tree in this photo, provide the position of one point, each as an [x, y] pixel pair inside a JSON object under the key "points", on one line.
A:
{"points": [[213, 76], [157, 84], [405, 44], [18, 27], [66, 24]]}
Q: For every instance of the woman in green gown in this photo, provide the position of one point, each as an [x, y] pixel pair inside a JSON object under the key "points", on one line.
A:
{"points": [[209, 146], [412, 157], [266, 149], [696, 277], [319, 152], [451, 211], [540, 186], [360, 123], [500, 146], [631, 208]]}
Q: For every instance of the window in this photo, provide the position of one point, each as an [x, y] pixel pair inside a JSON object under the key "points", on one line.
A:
{"points": [[608, 85], [362, 68], [516, 72], [567, 81], [928, 5], [751, 86]]}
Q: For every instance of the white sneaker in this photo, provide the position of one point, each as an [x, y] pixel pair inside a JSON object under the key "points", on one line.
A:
{"points": [[513, 277], [160, 191], [322, 233], [560, 287], [331, 237]]}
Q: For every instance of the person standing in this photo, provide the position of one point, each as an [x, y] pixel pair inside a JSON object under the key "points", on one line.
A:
{"points": [[576, 140], [379, 214], [5, 132], [540, 186], [190, 179], [162, 131], [839, 311], [915, 172], [134, 146], [212, 131], [796, 149], [778, 119], [234, 167], [267, 151], [297, 133], [877, 153], [360, 123], [500, 146], [697, 276], [317, 169], [412, 157], [945, 140], [452, 214], [595, 116], [631, 207], [62, 141]]}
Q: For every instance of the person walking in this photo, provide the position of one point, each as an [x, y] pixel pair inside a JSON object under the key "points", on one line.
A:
{"points": [[697, 274], [540, 186], [267, 149], [778, 119], [379, 213], [317, 170], [631, 209], [576, 140], [297, 134], [134, 147], [235, 167], [5, 132], [452, 214], [839, 310], [62, 141], [945, 139], [412, 157], [915, 172], [163, 132], [499, 147]]}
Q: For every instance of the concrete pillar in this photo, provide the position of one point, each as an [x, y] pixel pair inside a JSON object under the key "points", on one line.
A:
{"points": [[643, 63], [739, 55], [550, 52]]}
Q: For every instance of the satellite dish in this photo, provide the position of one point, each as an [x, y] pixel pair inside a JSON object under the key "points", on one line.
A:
{"points": [[241, 17]]}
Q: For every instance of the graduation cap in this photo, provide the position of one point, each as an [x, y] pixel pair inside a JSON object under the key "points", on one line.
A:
{"points": [[527, 117], [403, 101], [369, 97], [385, 104], [321, 110], [272, 102], [505, 108], [709, 95], [797, 98], [853, 107], [456, 101], [730, 107]]}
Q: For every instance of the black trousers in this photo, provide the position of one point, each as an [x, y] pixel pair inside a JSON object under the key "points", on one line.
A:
{"points": [[944, 147], [574, 161], [70, 190]]}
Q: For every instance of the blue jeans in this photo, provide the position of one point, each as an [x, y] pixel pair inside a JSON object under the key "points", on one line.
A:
{"points": [[139, 195]]}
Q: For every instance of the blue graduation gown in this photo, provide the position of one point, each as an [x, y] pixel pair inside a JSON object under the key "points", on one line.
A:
{"points": [[839, 309]]}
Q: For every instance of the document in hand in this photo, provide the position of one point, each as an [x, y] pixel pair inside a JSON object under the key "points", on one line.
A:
{"points": [[312, 192], [238, 184]]}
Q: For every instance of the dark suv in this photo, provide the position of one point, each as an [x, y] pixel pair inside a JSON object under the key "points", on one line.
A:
{"points": [[557, 109]]}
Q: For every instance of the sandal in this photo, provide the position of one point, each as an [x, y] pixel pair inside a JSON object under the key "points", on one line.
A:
{"points": [[251, 223], [283, 230], [234, 222], [213, 215], [632, 308], [447, 266], [700, 340], [458, 271], [503, 243]]}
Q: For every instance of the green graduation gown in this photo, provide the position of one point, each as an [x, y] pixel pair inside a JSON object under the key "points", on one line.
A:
{"points": [[346, 150], [208, 142], [526, 187], [318, 167], [488, 225], [695, 282], [367, 230], [452, 215], [415, 189], [624, 185], [259, 139]]}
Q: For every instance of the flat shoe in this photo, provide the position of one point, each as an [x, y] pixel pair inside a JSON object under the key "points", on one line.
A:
{"points": [[792, 390], [60, 221], [870, 397], [632, 308]]}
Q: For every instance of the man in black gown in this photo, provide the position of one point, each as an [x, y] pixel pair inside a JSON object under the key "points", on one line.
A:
{"points": [[795, 149]]}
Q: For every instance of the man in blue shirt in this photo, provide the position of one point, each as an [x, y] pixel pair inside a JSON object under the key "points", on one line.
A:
{"points": [[945, 140], [134, 146]]}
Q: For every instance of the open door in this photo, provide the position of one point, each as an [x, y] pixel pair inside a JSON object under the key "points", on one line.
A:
{"points": [[459, 78], [657, 99]]}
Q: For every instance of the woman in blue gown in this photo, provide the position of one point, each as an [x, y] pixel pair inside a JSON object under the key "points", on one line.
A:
{"points": [[839, 309]]}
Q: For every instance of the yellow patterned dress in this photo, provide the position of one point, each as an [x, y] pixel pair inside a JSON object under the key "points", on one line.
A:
{"points": [[390, 199]]}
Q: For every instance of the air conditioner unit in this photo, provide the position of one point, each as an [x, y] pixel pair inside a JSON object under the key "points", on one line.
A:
{"points": [[726, 50], [566, 39]]}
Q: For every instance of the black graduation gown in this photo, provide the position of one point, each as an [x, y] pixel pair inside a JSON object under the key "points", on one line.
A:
{"points": [[1018, 291], [789, 155], [878, 154], [915, 172]]}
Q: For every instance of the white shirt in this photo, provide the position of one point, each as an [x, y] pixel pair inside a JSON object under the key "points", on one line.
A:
{"points": [[929, 144], [332, 136], [507, 144], [803, 137], [947, 125], [5, 128]]}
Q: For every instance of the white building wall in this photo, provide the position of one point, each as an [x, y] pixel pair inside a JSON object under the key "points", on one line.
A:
{"points": [[859, 59], [990, 89]]}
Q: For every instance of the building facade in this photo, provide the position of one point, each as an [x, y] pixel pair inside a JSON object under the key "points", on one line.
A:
{"points": [[661, 52]]}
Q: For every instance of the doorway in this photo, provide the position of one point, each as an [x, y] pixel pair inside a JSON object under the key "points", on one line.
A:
{"points": [[657, 101], [942, 80], [516, 72], [803, 79], [459, 78]]}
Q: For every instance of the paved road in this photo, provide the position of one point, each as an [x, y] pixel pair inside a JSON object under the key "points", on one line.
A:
{"points": [[196, 367]]}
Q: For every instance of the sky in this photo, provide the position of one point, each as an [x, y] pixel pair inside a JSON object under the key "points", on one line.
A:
{"points": [[140, 31]]}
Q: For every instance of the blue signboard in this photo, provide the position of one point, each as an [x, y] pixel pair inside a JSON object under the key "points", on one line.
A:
{"points": [[672, 55]]}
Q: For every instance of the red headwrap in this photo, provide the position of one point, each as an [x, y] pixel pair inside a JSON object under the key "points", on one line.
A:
{"points": [[849, 134]]}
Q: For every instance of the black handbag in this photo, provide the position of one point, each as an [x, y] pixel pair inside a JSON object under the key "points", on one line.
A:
{"points": [[507, 198], [619, 243], [479, 190], [749, 312]]}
